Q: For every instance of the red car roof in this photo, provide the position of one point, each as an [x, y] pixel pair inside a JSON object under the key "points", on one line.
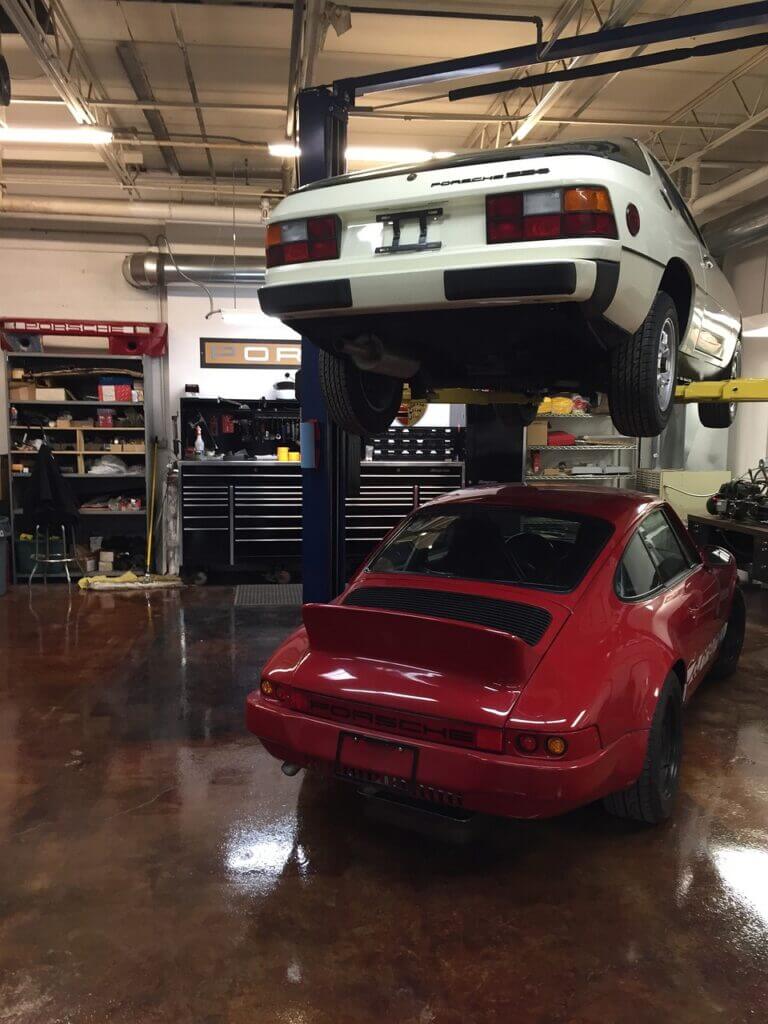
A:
{"points": [[618, 507]]}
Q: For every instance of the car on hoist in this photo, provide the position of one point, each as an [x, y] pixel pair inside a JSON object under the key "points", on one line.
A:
{"points": [[511, 650], [538, 269]]}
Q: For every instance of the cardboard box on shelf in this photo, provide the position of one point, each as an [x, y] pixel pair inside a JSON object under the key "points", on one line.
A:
{"points": [[536, 432], [50, 394], [22, 392], [115, 446], [135, 447], [107, 557]]}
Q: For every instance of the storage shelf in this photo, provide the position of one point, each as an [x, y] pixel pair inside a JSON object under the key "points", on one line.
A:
{"points": [[89, 476], [73, 401], [581, 447], [570, 415], [48, 430], [80, 451], [112, 512], [559, 477], [92, 357]]}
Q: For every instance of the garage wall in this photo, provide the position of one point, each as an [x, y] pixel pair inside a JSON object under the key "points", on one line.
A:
{"points": [[747, 270], [61, 279]]}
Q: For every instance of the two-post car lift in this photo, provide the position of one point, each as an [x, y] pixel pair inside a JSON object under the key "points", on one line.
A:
{"points": [[322, 116]]}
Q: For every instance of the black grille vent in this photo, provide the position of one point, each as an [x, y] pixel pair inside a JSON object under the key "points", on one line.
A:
{"points": [[523, 620]]}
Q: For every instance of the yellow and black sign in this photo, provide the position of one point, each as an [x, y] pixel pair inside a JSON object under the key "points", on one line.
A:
{"points": [[225, 354]]}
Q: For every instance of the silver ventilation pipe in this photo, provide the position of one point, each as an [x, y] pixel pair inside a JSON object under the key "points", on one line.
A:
{"points": [[152, 269], [742, 227]]}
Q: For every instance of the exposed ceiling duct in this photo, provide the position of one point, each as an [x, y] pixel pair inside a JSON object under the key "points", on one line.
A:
{"points": [[117, 209], [743, 227], [153, 269]]}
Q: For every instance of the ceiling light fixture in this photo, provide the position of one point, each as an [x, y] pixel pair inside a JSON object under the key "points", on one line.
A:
{"points": [[370, 154], [56, 136]]}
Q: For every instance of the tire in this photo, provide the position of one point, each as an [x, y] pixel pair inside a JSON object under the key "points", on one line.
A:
{"points": [[720, 415], [516, 415], [727, 659], [650, 799], [643, 373], [360, 402]]}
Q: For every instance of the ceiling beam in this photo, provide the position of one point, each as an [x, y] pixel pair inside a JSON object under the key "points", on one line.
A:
{"points": [[137, 76], [621, 13], [192, 87], [67, 68], [747, 125]]}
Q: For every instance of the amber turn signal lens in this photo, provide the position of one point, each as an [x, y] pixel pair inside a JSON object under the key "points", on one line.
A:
{"points": [[273, 235], [587, 200], [556, 746], [267, 688]]}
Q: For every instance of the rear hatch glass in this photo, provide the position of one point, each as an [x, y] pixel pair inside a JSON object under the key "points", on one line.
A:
{"points": [[623, 151]]}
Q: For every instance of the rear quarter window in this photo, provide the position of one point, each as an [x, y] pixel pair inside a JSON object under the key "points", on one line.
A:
{"points": [[636, 575]]}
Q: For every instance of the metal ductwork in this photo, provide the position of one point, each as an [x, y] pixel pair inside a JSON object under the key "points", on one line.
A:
{"points": [[742, 227], [153, 270]]}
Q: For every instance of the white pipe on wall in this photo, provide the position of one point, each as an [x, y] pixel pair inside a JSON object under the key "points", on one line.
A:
{"points": [[121, 209]]}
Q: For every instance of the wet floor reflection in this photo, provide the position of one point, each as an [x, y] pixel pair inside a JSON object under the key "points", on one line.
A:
{"points": [[157, 866]]}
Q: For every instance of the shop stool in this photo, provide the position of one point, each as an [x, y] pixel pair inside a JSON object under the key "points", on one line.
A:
{"points": [[42, 558]]}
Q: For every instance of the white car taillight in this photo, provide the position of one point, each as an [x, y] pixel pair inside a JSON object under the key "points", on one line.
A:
{"points": [[302, 241], [583, 211]]}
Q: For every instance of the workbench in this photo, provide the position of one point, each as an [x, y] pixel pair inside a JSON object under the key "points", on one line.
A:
{"points": [[747, 541]]}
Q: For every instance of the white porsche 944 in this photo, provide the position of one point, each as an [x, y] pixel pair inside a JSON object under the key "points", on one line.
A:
{"points": [[567, 266]]}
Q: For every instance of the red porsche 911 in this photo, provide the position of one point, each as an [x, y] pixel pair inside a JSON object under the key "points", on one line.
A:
{"points": [[511, 650]]}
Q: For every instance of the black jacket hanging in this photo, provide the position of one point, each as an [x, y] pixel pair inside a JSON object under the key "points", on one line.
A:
{"points": [[48, 500]]}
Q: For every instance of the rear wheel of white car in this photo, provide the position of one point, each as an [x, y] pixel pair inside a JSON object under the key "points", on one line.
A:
{"points": [[643, 373], [722, 414], [359, 401], [650, 799]]}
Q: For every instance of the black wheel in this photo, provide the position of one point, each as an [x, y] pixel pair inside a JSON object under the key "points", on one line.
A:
{"points": [[359, 401], [730, 649], [722, 414], [516, 415], [643, 373], [650, 799]]}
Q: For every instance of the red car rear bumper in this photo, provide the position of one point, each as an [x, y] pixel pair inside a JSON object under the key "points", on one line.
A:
{"points": [[489, 783]]}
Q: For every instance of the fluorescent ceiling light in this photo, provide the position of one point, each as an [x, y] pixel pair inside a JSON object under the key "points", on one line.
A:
{"points": [[370, 154], [57, 136], [283, 149], [241, 317], [392, 154]]}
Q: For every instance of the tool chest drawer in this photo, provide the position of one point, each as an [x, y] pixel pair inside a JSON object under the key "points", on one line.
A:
{"points": [[239, 514]]}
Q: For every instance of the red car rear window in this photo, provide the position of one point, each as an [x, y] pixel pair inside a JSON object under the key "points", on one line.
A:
{"points": [[545, 550]]}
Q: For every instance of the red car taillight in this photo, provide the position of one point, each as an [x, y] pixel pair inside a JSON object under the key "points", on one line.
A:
{"points": [[552, 746], [303, 241], [584, 211], [282, 694]]}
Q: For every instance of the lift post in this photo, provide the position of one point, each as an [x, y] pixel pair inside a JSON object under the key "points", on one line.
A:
{"points": [[322, 134]]}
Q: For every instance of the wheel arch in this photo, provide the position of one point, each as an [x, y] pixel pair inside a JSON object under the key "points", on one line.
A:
{"points": [[677, 282]]}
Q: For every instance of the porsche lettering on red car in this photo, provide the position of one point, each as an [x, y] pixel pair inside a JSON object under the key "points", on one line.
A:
{"points": [[510, 650]]}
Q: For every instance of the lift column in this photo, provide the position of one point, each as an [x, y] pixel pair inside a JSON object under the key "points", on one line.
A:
{"points": [[322, 138]]}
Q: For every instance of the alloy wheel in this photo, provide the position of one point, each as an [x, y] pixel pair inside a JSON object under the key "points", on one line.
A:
{"points": [[666, 364]]}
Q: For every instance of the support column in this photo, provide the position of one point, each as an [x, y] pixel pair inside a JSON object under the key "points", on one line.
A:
{"points": [[322, 138]]}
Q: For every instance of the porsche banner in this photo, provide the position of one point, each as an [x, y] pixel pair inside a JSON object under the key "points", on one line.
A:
{"points": [[221, 353]]}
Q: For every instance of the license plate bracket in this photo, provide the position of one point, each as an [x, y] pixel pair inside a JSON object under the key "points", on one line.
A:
{"points": [[396, 220], [383, 757]]}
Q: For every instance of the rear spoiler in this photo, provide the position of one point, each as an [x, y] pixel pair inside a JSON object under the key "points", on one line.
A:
{"points": [[460, 648]]}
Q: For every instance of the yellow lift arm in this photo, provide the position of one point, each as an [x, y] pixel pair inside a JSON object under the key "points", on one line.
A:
{"points": [[740, 389]]}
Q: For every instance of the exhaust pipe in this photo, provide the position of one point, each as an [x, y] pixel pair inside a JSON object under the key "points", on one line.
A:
{"points": [[371, 354], [290, 769]]}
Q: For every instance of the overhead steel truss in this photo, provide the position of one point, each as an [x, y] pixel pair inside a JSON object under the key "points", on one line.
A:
{"points": [[62, 58]]}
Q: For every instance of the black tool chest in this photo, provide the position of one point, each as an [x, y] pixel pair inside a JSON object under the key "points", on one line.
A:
{"points": [[247, 515]]}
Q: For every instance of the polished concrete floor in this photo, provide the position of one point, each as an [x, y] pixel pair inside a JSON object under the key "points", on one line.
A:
{"points": [[156, 866]]}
